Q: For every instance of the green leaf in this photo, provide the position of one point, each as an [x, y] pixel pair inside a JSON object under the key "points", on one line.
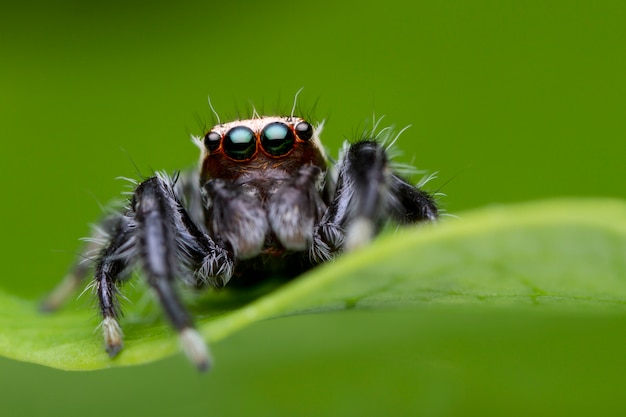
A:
{"points": [[563, 254]]}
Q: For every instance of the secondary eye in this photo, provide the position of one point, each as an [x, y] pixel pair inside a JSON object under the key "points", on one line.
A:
{"points": [[239, 143], [212, 140], [304, 130], [277, 139]]}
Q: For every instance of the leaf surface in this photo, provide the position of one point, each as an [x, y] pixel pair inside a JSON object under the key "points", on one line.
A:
{"points": [[568, 254]]}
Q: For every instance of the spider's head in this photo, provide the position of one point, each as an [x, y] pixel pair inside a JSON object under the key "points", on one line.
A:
{"points": [[280, 143]]}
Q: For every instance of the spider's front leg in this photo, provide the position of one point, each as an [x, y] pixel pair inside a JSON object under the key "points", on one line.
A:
{"points": [[160, 234], [367, 194]]}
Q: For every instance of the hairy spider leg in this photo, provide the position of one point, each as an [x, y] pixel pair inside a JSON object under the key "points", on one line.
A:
{"points": [[161, 235], [367, 193], [410, 204], [112, 268]]}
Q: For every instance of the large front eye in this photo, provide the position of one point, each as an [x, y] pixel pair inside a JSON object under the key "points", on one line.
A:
{"points": [[277, 139], [212, 140], [239, 143]]}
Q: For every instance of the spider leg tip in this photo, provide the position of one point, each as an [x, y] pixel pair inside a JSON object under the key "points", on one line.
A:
{"points": [[203, 366], [113, 350], [112, 336], [47, 306], [359, 233], [196, 349]]}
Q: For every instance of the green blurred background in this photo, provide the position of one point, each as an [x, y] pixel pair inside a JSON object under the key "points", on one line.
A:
{"points": [[508, 101]]}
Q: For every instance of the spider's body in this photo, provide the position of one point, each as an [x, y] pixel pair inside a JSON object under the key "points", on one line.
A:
{"points": [[264, 191], [266, 200]]}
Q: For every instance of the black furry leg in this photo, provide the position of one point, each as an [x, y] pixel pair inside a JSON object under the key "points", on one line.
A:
{"points": [[112, 267], [356, 212], [410, 204], [159, 225], [367, 193], [158, 233], [155, 213]]}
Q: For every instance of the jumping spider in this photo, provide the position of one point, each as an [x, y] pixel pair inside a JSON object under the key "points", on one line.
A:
{"points": [[266, 200]]}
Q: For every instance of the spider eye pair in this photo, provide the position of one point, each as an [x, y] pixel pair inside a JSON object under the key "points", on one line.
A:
{"points": [[277, 139]]}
